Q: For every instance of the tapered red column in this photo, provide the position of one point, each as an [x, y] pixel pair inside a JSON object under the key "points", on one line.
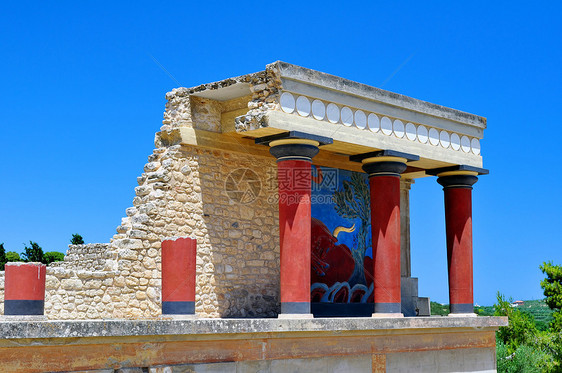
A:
{"points": [[384, 180], [179, 256], [24, 289], [457, 186], [294, 158]]}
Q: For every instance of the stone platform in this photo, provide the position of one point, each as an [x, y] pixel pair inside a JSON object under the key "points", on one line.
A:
{"points": [[421, 344]]}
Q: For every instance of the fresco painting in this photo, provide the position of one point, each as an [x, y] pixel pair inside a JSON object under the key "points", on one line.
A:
{"points": [[341, 237]]}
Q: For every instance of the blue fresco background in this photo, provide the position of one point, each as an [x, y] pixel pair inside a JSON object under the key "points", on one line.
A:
{"points": [[326, 211]]}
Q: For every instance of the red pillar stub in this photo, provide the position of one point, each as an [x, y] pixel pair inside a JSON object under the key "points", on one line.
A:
{"points": [[24, 289], [179, 256]]}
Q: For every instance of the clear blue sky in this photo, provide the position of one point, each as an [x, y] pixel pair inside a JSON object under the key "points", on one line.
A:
{"points": [[81, 97]]}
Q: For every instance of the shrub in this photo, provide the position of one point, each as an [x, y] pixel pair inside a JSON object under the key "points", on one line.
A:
{"points": [[525, 358], [52, 256], [12, 256]]}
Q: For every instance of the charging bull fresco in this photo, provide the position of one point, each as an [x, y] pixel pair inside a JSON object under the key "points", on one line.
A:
{"points": [[341, 237]]}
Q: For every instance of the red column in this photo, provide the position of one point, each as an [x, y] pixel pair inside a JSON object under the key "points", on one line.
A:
{"points": [[294, 158], [384, 181], [24, 289], [178, 276], [457, 186]]}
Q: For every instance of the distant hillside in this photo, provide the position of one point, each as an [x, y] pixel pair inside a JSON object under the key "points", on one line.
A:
{"points": [[539, 310], [536, 308]]}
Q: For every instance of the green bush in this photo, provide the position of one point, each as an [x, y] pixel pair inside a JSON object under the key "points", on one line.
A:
{"points": [[52, 256], [526, 358], [12, 256]]}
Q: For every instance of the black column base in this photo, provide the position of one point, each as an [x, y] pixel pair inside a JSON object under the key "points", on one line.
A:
{"points": [[388, 308], [178, 308], [295, 307], [18, 307], [462, 308]]}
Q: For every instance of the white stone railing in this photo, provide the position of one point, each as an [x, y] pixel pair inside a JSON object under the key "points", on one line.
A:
{"points": [[320, 110]]}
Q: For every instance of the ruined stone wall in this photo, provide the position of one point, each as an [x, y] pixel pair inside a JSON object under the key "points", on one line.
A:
{"points": [[224, 199], [185, 191]]}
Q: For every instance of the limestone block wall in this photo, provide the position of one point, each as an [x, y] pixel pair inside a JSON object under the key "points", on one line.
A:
{"points": [[184, 193]]}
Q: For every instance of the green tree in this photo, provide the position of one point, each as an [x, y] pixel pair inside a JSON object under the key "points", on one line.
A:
{"points": [[552, 287], [53, 256], [439, 309], [77, 239], [33, 253], [12, 256], [3, 259], [521, 329]]}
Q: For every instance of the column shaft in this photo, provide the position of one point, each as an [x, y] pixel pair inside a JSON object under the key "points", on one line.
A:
{"points": [[295, 234], [457, 187], [458, 216], [385, 227], [294, 160]]}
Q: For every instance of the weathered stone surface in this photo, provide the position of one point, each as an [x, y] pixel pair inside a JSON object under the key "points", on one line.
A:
{"points": [[107, 328]]}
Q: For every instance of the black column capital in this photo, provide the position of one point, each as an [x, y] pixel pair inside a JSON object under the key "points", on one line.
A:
{"points": [[294, 145], [457, 180], [384, 168], [294, 149]]}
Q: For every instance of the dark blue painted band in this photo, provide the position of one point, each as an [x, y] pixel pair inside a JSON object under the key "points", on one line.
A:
{"points": [[461, 167], [320, 309], [178, 308], [24, 307], [462, 308], [388, 308], [295, 307]]}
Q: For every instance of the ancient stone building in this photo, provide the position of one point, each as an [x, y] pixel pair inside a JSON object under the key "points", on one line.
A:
{"points": [[295, 185]]}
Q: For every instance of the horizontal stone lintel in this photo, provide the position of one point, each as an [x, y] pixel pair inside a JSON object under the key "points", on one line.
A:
{"points": [[318, 84], [14, 329]]}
